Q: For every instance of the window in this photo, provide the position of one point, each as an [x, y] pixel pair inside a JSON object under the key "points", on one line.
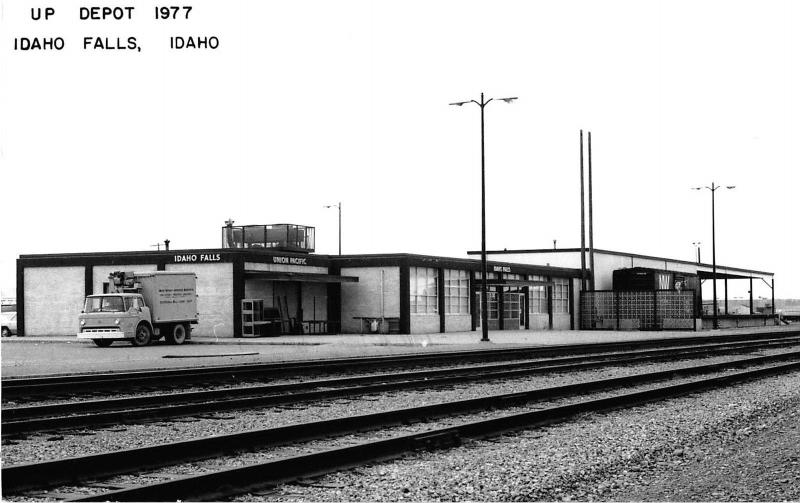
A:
{"points": [[491, 299], [560, 295], [538, 296], [456, 292], [424, 291], [511, 305], [104, 304]]}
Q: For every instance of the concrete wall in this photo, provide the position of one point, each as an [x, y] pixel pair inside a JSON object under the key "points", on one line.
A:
{"points": [[100, 273], [259, 289], [561, 321], [214, 297], [315, 301], [364, 298], [53, 299], [457, 323], [539, 321], [285, 297], [424, 323]]}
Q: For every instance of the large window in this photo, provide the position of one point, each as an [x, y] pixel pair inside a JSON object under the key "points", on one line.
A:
{"points": [[538, 296], [560, 295], [456, 292], [424, 292], [491, 299], [511, 305]]}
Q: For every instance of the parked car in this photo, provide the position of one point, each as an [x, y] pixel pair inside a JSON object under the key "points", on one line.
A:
{"points": [[9, 322]]}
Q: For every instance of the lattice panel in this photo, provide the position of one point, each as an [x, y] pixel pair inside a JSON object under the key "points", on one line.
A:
{"points": [[598, 310], [646, 310], [636, 310], [675, 309]]}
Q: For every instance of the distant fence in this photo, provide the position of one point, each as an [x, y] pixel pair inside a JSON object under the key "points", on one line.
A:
{"points": [[645, 310]]}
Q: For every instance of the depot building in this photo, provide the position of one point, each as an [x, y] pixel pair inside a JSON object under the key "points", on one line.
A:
{"points": [[267, 280]]}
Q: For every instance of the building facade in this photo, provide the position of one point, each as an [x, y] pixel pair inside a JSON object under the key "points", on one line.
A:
{"points": [[309, 293]]}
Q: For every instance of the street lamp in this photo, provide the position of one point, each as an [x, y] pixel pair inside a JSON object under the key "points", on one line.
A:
{"points": [[484, 273], [339, 206], [713, 189]]}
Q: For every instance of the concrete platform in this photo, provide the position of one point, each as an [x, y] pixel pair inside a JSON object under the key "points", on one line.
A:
{"points": [[22, 356]]}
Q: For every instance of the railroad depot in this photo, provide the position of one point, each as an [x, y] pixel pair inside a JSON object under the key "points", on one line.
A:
{"points": [[267, 280]]}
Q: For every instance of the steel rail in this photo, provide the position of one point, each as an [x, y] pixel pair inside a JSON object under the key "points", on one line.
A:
{"points": [[21, 477], [19, 386], [128, 410], [226, 483]]}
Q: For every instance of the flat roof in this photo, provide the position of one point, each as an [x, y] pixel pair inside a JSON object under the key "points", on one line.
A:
{"points": [[222, 255], [624, 254]]}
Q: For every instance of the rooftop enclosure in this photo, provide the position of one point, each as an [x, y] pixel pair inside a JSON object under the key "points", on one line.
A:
{"points": [[284, 237]]}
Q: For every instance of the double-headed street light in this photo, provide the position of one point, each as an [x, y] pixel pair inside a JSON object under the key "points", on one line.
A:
{"points": [[484, 309], [713, 189], [339, 207], [697, 246]]}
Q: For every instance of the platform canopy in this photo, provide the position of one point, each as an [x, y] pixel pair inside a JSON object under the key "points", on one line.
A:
{"points": [[705, 271]]}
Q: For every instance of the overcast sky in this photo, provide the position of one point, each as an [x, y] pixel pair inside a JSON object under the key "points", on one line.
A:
{"points": [[307, 103]]}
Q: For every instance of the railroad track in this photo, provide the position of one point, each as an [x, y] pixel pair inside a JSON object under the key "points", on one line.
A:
{"points": [[83, 414], [31, 388], [220, 484]]}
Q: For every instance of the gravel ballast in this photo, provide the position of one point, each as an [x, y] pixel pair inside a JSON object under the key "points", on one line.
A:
{"points": [[739, 443], [40, 447]]}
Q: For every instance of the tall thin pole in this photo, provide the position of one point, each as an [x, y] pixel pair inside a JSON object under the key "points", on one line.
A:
{"points": [[484, 273], [340, 227], [583, 226], [714, 255], [591, 218], [773, 295]]}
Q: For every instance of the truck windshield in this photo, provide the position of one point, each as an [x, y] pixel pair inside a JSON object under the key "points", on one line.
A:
{"points": [[104, 305]]}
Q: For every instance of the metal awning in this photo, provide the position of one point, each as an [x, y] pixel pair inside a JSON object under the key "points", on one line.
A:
{"points": [[724, 275], [299, 276]]}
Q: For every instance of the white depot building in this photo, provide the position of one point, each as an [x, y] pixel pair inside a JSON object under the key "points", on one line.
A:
{"points": [[271, 273]]}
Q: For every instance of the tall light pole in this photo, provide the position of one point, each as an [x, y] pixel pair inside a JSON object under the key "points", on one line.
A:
{"points": [[339, 206], [713, 189], [484, 273]]}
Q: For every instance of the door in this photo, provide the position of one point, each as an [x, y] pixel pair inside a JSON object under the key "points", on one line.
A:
{"points": [[522, 311]]}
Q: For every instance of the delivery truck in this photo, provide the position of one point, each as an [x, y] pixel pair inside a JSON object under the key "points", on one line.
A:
{"points": [[141, 307]]}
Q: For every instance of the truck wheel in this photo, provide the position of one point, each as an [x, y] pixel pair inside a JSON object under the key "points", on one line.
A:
{"points": [[142, 336], [177, 335], [103, 343]]}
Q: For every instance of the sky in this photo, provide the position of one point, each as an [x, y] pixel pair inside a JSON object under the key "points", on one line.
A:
{"points": [[309, 103]]}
